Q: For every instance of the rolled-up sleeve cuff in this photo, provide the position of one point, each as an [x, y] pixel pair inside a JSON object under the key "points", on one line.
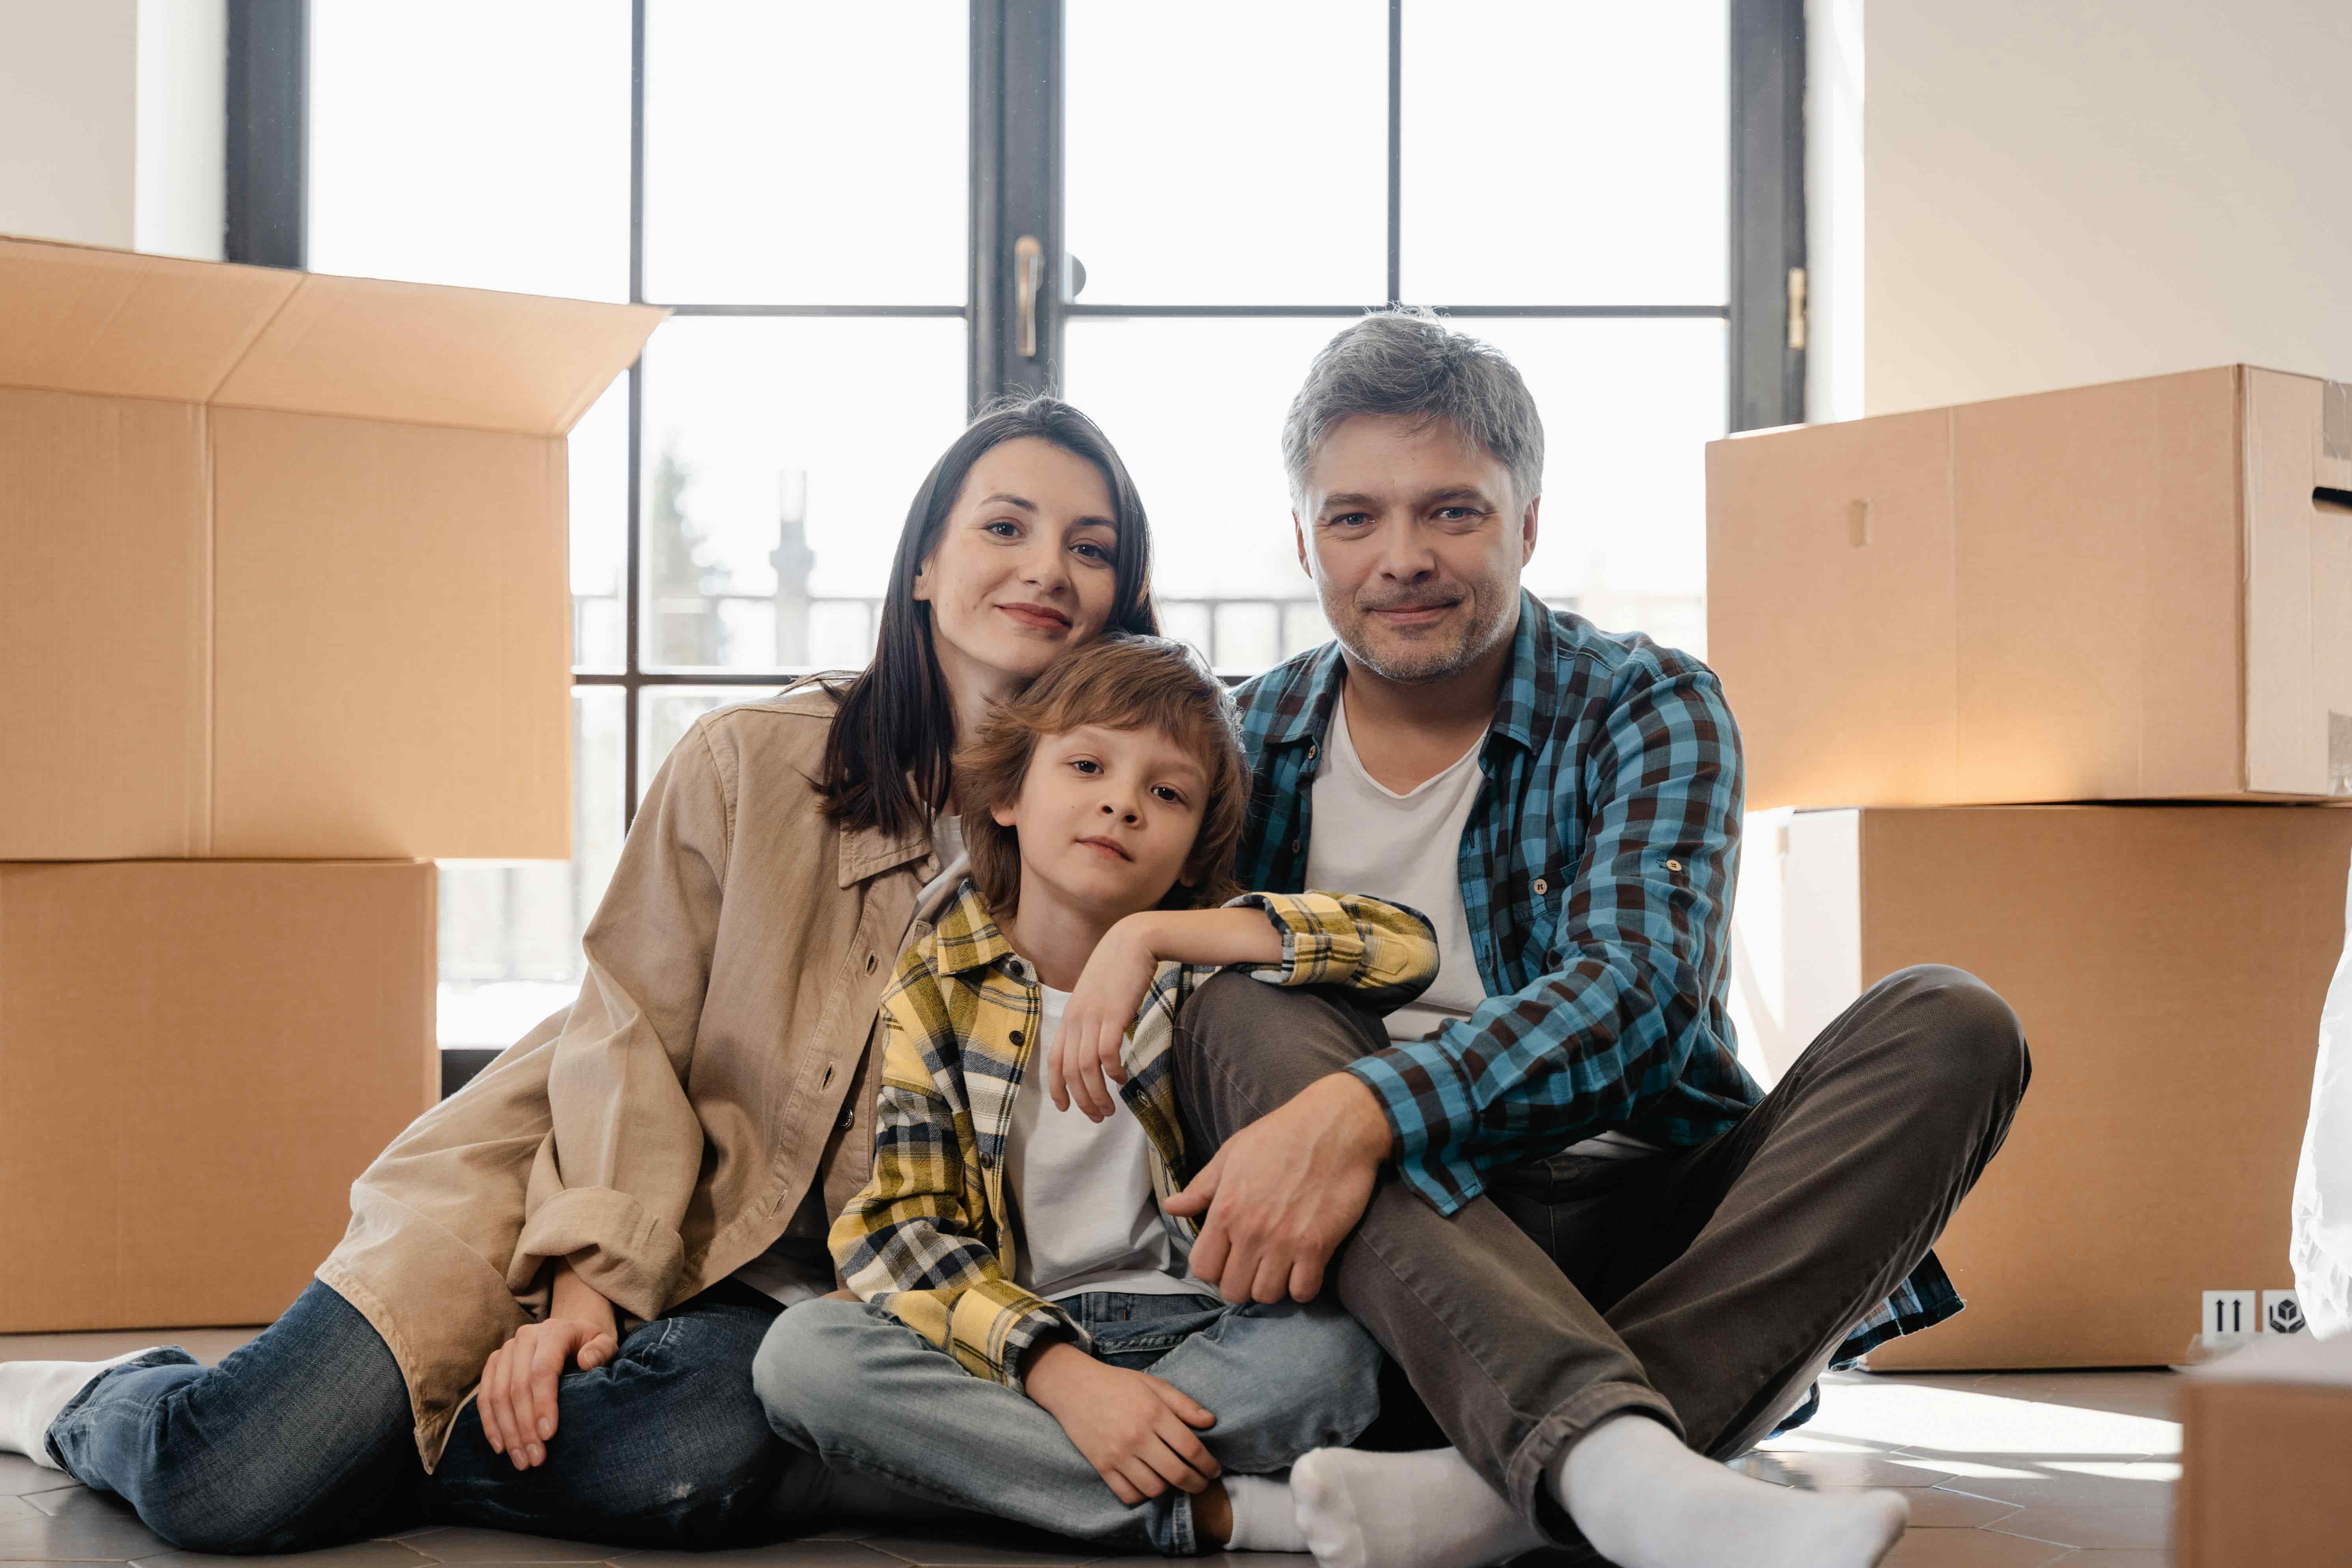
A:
{"points": [[1321, 944], [631, 1255], [1421, 1092]]}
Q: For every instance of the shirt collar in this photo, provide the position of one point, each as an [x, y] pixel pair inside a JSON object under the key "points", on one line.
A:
{"points": [[967, 936], [868, 851], [1319, 678]]}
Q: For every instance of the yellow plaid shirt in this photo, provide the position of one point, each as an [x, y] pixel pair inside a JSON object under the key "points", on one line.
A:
{"points": [[933, 1237]]}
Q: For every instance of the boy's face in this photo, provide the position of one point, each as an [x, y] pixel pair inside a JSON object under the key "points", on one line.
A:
{"points": [[1107, 818]]}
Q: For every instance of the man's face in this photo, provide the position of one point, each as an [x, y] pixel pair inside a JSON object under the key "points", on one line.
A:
{"points": [[1414, 541]]}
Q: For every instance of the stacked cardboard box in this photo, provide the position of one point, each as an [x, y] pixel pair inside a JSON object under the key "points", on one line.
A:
{"points": [[2263, 1436], [1943, 634], [283, 618]]}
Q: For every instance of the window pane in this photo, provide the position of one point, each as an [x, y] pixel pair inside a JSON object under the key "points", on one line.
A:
{"points": [[454, 141], [780, 456], [1565, 154], [1627, 408], [1234, 152], [510, 930], [1195, 408], [807, 152], [600, 530]]}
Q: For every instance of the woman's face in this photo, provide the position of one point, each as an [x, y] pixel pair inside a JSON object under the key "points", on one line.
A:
{"points": [[1025, 566]]}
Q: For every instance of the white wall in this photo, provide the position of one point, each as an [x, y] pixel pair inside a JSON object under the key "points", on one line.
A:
{"points": [[68, 96], [180, 184], [2058, 192], [110, 122]]}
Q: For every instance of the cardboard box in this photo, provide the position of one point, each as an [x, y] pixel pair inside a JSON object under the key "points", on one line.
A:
{"points": [[2137, 591], [196, 1060], [2263, 1439], [282, 560], [2168, 963]]}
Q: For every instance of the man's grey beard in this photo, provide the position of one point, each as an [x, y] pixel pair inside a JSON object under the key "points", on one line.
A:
{"points": [[1431, 665]]}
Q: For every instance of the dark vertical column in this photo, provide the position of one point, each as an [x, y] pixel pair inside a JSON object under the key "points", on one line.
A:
{"points": [[1016, 193], [1768, 212], [268, 173]]}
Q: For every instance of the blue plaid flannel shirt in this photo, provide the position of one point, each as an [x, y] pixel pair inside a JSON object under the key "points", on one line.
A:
{"points": [[1597, 872]]}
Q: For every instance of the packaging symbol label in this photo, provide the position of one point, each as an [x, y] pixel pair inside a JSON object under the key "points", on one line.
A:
{"points": [[2282, 1314], [2229, 1312]]}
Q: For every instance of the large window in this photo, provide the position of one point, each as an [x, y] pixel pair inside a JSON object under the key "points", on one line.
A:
{"points": [[837, 202]]}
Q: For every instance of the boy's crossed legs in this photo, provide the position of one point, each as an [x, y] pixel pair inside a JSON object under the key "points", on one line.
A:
{"points": [[850, 1383]]}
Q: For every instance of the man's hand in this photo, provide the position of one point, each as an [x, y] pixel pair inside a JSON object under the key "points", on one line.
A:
{"points": [[1134, 1429], [518, 1395], [1283, 1192]]}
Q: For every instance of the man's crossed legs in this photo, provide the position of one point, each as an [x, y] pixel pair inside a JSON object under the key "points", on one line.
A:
{"points": [[1703, 1288]]}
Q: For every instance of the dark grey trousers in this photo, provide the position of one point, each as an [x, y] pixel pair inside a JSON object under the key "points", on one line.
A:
{"points": [[1706, 1286]]}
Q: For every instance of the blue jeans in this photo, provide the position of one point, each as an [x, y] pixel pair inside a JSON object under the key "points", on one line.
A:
{"points": [[850, 1383], [303, 1438]]}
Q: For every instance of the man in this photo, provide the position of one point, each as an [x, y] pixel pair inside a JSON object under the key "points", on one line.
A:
{"points": [[1604, 1260]]}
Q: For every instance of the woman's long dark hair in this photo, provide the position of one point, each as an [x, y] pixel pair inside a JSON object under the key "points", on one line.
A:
{"points": [[889, 762]]}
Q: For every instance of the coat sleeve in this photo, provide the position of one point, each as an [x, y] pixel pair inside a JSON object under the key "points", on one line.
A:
{"points": [[917, 1241], [616, 1170]]}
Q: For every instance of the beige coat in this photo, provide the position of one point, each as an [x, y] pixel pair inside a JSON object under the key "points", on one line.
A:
{"points": [[662, 1132]]}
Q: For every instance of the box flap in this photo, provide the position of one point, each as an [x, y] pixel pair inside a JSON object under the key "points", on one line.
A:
{"points": [[2298, 584], [423, 355], [77, 318]]}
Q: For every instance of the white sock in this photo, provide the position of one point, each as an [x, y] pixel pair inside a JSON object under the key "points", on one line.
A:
{"points": [[33, 1393], [1645, 1501], [1264, 1518], [1428, 1510]]}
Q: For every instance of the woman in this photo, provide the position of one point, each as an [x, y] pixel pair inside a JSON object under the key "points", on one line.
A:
{"points": [[637, 1187]]}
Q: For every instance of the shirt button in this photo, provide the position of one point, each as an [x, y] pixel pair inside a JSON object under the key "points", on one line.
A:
{"points": [[1294, 845], [1673, 865], [1542, 887], [1310, 751], [1014, 1037]]}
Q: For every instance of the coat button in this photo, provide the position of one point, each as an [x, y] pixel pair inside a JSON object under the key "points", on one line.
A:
{"points": [[1014, 1037], [849, 1119]]}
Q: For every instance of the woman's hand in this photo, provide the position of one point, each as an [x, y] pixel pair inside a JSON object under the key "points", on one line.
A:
{"points": [[1134, 1429], [517, 1401], [1093, 1032]]}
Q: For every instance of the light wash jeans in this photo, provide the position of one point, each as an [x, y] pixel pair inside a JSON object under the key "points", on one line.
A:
{"points": [[850, 1383]]}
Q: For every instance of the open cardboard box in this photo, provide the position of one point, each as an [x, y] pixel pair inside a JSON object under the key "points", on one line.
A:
{"points": [[197, 1057], [282, 559], [2168, 963], [2135, 590]]}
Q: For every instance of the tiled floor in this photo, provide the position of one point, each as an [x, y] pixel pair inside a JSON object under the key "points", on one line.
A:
{"points": [[2003, 1470]]}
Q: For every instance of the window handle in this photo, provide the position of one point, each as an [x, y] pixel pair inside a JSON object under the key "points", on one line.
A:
{"points": [[1028, 279]]}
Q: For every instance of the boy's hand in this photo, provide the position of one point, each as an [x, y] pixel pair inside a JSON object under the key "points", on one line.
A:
{"points": [[1086, 1046], [517, 1401], [1133, 1429]]}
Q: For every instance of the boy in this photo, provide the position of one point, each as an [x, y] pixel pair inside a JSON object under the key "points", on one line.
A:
{"points": [[1018, 1269]]}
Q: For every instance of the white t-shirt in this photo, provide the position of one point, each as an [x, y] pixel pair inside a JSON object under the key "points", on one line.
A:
{"points": [[1082, 1191], [1407, 848], [798, 1265]]}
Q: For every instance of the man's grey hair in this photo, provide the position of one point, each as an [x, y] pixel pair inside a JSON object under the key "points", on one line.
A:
{"points": [[1404, 362]]}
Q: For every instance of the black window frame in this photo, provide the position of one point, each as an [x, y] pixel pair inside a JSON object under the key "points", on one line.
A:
{"points": [[1016, 61]]}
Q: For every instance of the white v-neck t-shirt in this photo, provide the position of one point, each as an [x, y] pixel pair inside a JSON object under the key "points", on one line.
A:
{"points": [[1365, 837], [1090, 1220]]}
